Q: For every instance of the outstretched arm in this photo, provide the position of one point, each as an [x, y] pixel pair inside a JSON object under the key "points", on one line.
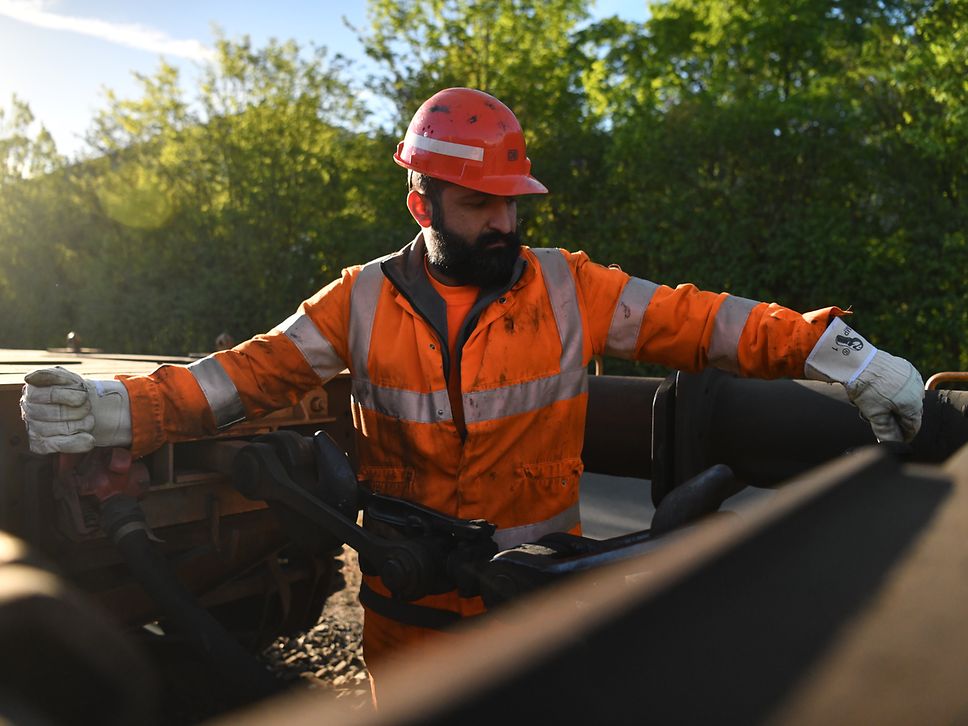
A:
{"points": [[66, 413], [690, 329]]}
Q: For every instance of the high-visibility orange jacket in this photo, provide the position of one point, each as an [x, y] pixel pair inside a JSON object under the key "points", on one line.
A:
{"points": [[523, 354]]}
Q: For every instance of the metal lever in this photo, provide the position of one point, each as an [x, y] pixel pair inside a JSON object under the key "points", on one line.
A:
{"points": [[523, 568], [428, 552], [410, 568]]}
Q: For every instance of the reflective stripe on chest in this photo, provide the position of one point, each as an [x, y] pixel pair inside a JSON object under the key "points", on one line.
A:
{"points": [[567, 382]]}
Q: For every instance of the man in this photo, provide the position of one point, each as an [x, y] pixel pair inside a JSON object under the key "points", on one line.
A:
{"points": [[469, 355]]}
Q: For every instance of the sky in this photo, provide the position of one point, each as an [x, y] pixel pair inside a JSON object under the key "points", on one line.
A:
{"points": [[60, 55]]}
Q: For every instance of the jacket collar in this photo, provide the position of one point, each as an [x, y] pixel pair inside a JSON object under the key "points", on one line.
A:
{"points": [[405, 269]]}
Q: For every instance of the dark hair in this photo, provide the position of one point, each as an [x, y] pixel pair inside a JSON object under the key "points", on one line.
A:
{"points": [[426, 185]]}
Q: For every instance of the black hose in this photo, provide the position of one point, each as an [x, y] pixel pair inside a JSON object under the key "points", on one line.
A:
{"points": [[244, 679], [701, 495]]}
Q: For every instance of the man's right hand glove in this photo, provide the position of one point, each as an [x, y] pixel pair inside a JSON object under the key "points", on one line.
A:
{"points": [[888, 390], [66, 413]]}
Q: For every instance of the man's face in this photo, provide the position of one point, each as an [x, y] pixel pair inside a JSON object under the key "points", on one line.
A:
{"points": [[473, 237]]}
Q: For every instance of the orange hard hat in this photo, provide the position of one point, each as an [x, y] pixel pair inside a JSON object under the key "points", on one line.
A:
{"points": [[468, 137]]}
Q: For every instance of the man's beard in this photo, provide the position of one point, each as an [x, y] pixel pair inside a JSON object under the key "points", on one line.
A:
{"points": [[472, 263]]}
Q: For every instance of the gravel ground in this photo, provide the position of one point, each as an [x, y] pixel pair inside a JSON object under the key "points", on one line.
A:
{"points": [[330, 656]]}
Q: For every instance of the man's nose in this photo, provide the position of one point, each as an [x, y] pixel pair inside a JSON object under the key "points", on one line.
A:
{"points": [[503, 216]]}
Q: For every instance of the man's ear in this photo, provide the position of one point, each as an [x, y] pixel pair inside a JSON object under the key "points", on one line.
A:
{"points": [[421, 208]]}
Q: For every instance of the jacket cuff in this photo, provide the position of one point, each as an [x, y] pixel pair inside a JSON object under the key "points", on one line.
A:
{"points": [[839, 356], [147, 429], [825, 316]]}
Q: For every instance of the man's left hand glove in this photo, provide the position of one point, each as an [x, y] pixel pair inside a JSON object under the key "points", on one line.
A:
{"points": [[888, 390]]}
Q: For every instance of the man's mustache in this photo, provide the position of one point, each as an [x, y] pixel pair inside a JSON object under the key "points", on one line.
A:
{"points": [[511, 239]]}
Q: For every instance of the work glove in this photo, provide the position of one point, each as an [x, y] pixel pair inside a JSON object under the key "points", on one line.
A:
{"points": [[69, 414], [888, 390]]}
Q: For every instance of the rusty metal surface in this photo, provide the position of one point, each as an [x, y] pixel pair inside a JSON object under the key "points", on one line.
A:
{"points": [[945, 377], [15, 363], [841, 599], [618, 425], [63, 659], [903, 659], [212, 533], [842, 587]]}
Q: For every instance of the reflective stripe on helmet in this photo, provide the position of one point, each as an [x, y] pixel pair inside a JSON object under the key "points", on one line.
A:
{"points": [[447, 148], [727, 328], [221, 394], [562, 522], [314, 346], [623, 332]]}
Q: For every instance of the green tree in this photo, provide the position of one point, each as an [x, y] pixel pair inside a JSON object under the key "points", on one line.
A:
{"points": [[36, 271], [764, 148], [222, 212], [781, 149], [521, 51]]}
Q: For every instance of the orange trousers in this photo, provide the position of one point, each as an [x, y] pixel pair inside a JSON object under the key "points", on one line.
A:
{"points": [[386, 642]]}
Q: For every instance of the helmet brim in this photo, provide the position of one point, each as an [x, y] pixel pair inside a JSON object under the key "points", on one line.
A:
{"points": [[505, 185]]}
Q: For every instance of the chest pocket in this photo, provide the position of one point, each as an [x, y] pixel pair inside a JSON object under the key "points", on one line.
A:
{"points": [[545, 493], [553, 478]]}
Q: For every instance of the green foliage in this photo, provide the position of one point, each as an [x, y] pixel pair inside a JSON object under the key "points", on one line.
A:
{"points": [[35, 259], [219, 213], [521, 51], [809, 153]]}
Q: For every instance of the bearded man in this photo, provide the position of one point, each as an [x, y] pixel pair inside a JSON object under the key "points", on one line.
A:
{"points": [[469, 355]]}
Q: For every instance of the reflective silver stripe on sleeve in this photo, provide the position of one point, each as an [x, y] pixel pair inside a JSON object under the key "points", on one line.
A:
{"points": [[564, 302], [524, 397], [727, 328], [627, 319], [513, 536], [363, 301], [220, 392], [314, 346], [400, 403]]}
